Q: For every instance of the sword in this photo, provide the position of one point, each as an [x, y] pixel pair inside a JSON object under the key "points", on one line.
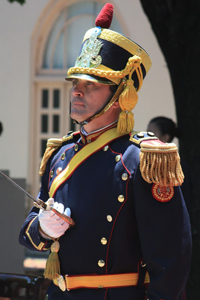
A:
{"points": [[40, 203]]}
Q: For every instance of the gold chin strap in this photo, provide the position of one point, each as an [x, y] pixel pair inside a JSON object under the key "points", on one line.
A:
{"points": [[112, 101]]}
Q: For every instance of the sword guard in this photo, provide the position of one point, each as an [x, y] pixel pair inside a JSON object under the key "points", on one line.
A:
{"points": [[42, 205]]}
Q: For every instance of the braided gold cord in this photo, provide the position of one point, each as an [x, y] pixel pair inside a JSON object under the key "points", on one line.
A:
{"points": [[45, 158], [52, 145], [132, 65], [161, 168], [140, 77]]}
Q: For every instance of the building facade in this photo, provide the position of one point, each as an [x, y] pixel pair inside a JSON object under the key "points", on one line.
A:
{"points": [[39, 42]]}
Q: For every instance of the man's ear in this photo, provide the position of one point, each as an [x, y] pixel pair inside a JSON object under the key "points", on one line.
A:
{"points": [[116, 104]]}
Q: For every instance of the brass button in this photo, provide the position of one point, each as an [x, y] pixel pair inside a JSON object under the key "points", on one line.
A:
{"points": [[150, 133], [109, 218], [76, 147], [51, 173], [58, 170], [142, 264], [117, 158], [104, 241], [140, 135], [121, 198], [63, 156], [105, 148], [101, 263], [124, 176]]}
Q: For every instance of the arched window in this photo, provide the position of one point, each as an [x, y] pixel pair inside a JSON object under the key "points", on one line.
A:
{"points": [[67, 33]]}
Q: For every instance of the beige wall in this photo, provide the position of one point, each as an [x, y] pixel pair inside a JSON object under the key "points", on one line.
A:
{"points": [[17, 24]]}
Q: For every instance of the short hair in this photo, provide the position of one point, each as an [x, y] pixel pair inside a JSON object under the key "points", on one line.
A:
{"points": [[166, 126]]}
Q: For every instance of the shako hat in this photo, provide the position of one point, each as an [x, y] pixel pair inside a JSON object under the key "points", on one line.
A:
{"points": [[108, 57]]}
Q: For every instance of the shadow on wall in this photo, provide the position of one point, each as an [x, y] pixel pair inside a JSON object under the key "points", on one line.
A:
{"points": [[1, 128]]}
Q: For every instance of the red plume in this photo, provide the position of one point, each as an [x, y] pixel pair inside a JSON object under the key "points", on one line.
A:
{"points": [[104, 18]]}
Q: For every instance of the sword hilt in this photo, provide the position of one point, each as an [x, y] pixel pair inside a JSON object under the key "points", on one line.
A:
{"points": [[42, 205]]}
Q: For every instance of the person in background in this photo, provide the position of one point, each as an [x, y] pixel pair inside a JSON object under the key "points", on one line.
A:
{"points": [[130, 233], [166, 130]]}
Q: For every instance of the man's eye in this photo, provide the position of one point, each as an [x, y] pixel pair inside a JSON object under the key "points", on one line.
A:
{"points": [[90, 83], [74, 82]]}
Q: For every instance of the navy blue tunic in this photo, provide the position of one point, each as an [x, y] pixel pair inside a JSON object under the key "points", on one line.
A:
{"points": [[109, 199]]}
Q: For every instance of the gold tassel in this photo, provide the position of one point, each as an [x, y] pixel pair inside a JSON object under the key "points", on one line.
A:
{"points": [[130, 121], [121, 125], [127, 101], [53, 263], [160, 164], [129, 97]]}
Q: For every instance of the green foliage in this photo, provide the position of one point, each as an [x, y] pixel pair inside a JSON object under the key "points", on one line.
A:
{"points": [[19, 1]]}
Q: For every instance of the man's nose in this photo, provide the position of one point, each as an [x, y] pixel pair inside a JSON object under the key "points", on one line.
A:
{"points": [[77, 91]]}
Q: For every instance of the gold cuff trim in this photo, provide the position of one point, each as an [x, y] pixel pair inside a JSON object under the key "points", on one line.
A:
{"points": [[41, 245]]}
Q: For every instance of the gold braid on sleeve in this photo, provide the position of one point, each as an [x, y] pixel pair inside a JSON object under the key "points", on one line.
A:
{"points": [[160, 164]]}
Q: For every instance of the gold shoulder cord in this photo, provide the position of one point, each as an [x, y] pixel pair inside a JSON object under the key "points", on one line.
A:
{"points": [[52, 145], [160, 164]]}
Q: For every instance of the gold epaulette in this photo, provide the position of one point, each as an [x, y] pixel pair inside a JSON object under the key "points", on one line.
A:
{"points": [[159, 162], [52, 145]]}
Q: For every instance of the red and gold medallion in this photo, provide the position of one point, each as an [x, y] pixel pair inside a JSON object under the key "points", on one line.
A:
{"points": [[162, 193]]}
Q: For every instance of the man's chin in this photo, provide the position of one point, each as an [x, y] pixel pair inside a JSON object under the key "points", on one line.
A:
{"points": [[78, 118]]}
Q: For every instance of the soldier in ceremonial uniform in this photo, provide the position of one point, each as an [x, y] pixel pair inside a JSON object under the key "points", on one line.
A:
{"points": [[126, 234]]}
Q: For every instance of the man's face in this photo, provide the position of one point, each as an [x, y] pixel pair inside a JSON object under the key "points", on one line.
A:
{"points": [[87, 98]]}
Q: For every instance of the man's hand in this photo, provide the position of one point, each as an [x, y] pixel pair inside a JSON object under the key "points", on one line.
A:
{"points": [[52, 226]]}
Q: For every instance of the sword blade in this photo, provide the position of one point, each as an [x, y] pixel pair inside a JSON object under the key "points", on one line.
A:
{"points": [[40, 203], [18, 186]]}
